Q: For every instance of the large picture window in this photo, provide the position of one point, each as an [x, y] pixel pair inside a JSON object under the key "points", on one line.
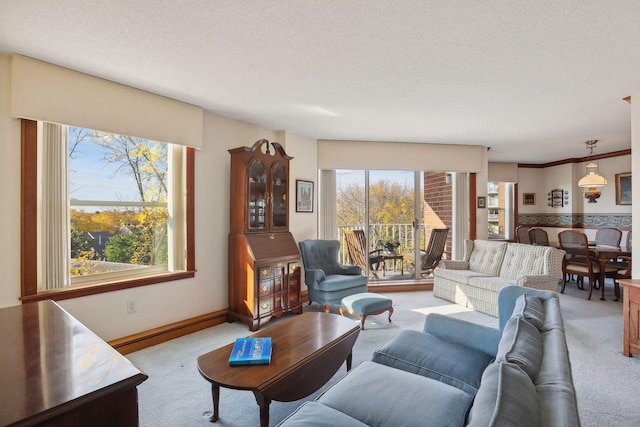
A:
{"points": [[110, 211]]}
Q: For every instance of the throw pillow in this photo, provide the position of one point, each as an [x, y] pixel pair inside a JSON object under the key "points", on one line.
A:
{"points": [[530, 308], [507, 397], [521, 344]]}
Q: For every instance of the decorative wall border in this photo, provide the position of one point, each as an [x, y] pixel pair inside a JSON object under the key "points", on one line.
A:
{"points": [[622, 221]]}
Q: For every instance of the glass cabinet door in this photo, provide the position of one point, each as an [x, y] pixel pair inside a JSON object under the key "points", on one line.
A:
{"points": [[279, 187], [257, 195]]}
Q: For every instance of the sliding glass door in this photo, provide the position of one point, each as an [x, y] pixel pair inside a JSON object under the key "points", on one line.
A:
{"points": [[389, 207]]}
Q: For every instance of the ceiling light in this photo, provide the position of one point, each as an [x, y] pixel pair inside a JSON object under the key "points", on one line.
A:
{"points": [[593, 182]]}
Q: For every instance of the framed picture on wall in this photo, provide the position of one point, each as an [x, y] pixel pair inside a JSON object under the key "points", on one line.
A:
{"points": [[482, 202], [623, 188], [528, 198], [304, 196]]}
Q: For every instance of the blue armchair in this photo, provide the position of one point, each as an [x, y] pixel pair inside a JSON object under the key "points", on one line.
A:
{"points": [[327, 280]]}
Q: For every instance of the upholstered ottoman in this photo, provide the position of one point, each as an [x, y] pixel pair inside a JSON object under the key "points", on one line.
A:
{"points": [[365, 304]]}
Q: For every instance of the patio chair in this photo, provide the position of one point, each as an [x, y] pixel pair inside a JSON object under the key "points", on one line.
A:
{"points": [[433, 254], [356, 244]]}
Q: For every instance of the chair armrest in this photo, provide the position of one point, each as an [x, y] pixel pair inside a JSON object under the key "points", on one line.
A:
{"points": [[476, 336], [313, 276], [449, 264], [350, 270]]}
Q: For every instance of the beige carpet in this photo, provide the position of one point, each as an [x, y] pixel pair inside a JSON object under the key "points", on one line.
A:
{"points": [[607, 382]]}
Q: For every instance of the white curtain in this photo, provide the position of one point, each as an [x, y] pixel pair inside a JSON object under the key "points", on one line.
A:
{"points": [[177, 202], [53, 208], [328, 205]]}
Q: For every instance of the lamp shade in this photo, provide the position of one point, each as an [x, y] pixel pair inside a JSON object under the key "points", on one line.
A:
{"points": [[592, 182]]}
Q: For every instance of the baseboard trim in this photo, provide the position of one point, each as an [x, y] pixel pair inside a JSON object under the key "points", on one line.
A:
{"points": [[161, 334]]}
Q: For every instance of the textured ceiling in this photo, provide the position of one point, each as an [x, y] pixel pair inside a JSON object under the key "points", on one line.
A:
{"points": [[531, 79]]}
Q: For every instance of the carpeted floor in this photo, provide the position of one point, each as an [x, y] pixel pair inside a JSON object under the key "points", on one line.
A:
{"points": [[175, 394]]}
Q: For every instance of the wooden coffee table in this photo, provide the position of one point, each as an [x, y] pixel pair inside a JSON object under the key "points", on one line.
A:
{"points": [[307, 351]]}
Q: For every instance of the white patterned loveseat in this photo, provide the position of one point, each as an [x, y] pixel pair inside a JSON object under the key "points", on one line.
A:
{"points": [[489, 266]]}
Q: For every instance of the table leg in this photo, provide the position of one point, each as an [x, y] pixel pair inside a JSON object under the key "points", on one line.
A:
{"points": [[603, 276], [215, 394], [349, 360], [264, 403]]}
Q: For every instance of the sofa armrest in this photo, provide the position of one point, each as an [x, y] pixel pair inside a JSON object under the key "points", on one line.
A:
{"points": [[313, 276], [543, 281], [454, 264], [349, 270], [476, 336]]}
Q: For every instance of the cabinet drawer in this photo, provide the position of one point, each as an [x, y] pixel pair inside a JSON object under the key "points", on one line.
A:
{"points": [[264, 272], [277, 284], [278, 269], [265, 306], [265, 288]]}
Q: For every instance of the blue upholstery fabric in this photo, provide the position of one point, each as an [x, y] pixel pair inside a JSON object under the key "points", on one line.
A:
{"points": [[369, 394], [317, 415], [327, 280], [530, 309], [507, 398], [432, 357], [521, 344], [409, 382], [366, 303]]}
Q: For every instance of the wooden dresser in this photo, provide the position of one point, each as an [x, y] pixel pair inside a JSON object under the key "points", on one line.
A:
{"points": [[264, 259], [56, 372], [631, 316]]}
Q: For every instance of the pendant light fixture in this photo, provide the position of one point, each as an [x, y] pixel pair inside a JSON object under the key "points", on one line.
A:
{"points": [[593, 182]]}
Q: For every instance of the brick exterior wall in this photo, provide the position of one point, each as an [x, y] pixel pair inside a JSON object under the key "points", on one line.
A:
{"points": [[438, 212]]}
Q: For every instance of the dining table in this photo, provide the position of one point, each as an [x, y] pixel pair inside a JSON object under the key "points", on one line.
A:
{"points": [[605, 254]]}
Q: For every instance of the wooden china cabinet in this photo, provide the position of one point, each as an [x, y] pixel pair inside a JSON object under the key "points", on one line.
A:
{"points": [[264, 260]]}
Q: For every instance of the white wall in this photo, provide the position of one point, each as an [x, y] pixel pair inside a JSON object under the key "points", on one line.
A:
{"points": [[542, 180], [635, 148], [9, 194], [163, 303]]}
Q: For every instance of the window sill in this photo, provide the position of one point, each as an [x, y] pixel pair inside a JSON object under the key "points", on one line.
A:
{"points": [[82, 291]]}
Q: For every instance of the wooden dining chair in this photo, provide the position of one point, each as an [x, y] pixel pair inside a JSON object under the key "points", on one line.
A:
{"points": [[621, 274], [522, 234], [578, 260], [538, 237], [608, 237]]}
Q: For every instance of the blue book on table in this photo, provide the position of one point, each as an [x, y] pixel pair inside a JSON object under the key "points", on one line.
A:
{"points": [[251, 351]]}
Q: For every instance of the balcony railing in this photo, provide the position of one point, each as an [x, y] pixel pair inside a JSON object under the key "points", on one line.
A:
{"points": [[403, 233]]}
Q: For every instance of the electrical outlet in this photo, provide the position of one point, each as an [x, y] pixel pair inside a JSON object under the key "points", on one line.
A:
{"points": [[131, 307]]}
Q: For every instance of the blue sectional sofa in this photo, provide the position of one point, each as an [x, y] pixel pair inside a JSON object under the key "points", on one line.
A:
{"points": [[457, 373]]}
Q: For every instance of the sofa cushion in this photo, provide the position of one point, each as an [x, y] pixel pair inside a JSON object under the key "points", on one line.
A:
{"points": [[433, 357], [523, 260], [460, 276], [492, 284], [530, 309], [379, 395], [318, 415], [487, 256], [507, 397], [553, 318], [336, 282], [521, 344]]}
